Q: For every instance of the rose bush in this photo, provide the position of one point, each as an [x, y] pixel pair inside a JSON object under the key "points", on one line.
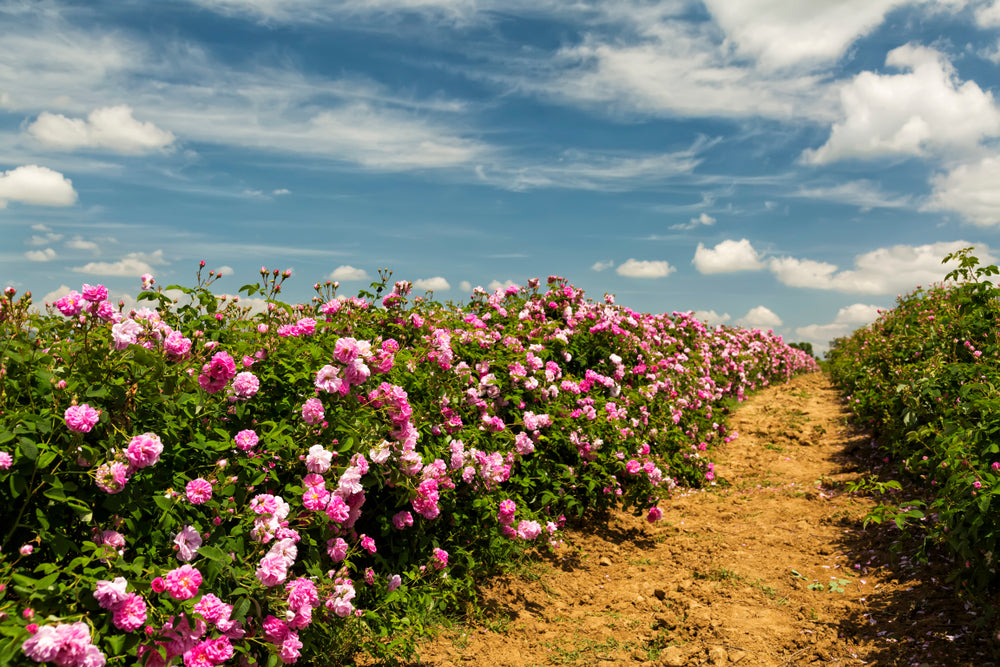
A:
{"points": [[194, 482], [925, 378]]}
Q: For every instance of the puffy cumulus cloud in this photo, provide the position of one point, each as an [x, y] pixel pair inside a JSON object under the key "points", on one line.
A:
{"points": [[883, 271], [348, 272], [56, 294], [783, 33], [111, 128], [225, 271], [133, 264], [465, 286], [970, 190], [635, 268], [988, 14], [925, 108], [435, 284], [46, 255], [32, 184], [727, 257], [711, 317], [602, 265], [847, 320], [759, 318], [703, 220]]}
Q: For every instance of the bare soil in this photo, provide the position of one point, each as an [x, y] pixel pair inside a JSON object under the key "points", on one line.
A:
{"points": [[771, 566]]}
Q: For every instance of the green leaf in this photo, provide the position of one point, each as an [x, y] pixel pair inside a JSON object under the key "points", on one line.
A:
{"points": [[214, 553], [28, 448]]}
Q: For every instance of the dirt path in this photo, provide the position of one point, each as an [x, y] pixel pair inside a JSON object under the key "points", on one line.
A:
{"points": [[771, 568]]}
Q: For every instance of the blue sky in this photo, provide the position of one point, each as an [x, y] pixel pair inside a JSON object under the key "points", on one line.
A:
{"points": [[774, 163]]}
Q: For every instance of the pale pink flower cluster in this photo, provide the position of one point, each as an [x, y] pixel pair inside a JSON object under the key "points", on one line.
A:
{"points": [[353, 356], [189, 643], [271, 513], [273, 567], [65, 644], [217, 373], [340, 602], [144, 450], [6, 460], [440, 560], [528, 530], [81, 418], [128, 609], [302, 599], [285, 638]]}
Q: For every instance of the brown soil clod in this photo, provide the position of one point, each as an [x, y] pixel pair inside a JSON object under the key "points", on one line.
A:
{"points": [[769, 567]]}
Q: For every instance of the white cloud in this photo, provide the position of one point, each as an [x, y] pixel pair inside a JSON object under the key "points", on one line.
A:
{"points": [[759, 318], [79, 244], [674, 67], [785, 33], [133, 264], [297, 11], [988, 14], [727, 257], [435, 284], [592, 170], [46, 255], [56, 294], [970, 190], [112, 128], [710, 317], [847, 320], [602, 265], [348, 272], [703, 220], [281, 191], [225, 271], [31, 184], [883, 271], [465, 286], [926, 108], [863, 193], [47, 238], [635, 268]]}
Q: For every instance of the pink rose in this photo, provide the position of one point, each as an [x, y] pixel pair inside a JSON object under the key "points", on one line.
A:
{"points": [[81, 418], [183, 582], [144, 450], [198, 491]]}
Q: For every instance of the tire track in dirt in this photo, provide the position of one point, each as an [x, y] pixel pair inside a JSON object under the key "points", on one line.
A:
{"points": [[769, 567]]}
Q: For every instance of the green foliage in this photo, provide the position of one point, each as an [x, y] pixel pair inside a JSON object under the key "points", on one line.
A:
{"points": [[926, 378]]}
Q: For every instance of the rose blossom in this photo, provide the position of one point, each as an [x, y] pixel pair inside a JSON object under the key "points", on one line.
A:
{"points": [[130, 614], [198, 491], [144, 450], [6, 460], [318, 460], [246, 440], [245, 385], [81, 418], [182, 583], [187, 541], [94, 293], [112, 477], [312, 411], [111, 594]]}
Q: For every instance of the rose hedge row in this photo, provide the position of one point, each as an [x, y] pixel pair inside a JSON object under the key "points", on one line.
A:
{"points": [[191, 481], [926, 378]]}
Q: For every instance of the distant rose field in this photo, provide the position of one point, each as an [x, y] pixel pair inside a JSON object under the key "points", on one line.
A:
{"points": [[196, 482]]}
